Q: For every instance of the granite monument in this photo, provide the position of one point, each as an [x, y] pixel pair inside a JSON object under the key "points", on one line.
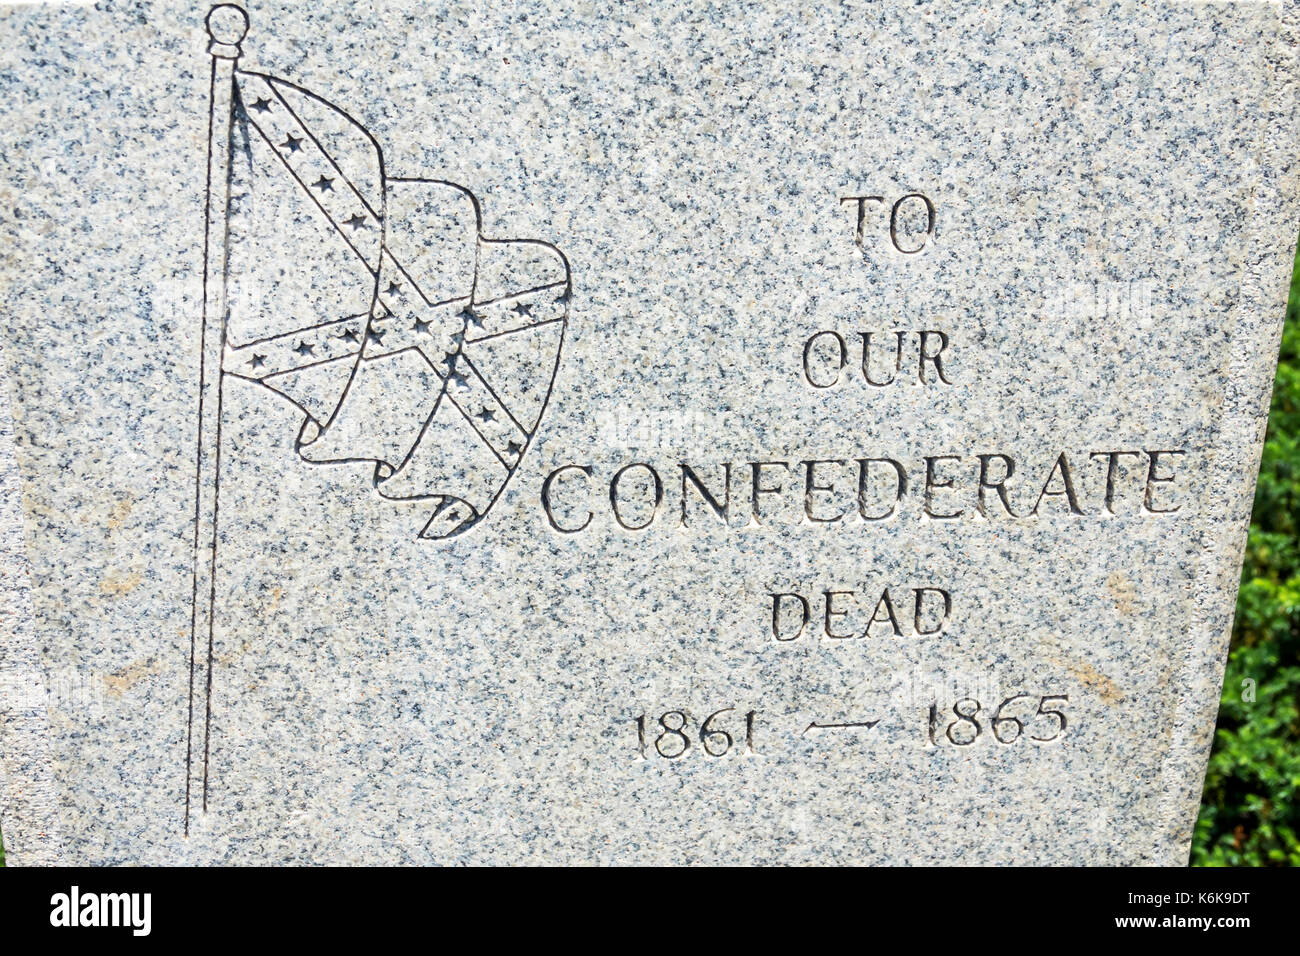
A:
{"points": [[630, 433]]}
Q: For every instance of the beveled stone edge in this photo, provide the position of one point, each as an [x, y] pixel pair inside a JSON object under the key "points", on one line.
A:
{"points": [[28, 802]]}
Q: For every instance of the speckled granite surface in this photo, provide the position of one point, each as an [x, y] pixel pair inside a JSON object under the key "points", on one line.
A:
{"points": [[532, 420], [30, 817]]}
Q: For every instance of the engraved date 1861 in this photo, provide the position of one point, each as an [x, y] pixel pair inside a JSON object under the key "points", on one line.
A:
{"points": [[679, 736]]}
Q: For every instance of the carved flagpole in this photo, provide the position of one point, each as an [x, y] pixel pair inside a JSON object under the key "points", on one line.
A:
{"points": [[227, 25]]}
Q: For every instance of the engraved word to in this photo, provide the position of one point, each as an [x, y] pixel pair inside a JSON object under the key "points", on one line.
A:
{"points": [[911, 220]]}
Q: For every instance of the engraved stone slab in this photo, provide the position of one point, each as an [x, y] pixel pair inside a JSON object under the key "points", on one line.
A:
{"points": [[631, 432]]}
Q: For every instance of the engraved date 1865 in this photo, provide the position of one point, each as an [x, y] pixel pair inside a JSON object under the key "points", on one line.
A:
{"points": [[1009, 723]]}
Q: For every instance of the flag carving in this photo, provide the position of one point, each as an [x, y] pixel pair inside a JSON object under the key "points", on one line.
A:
{"points": [[409, 340], [411, 343]]}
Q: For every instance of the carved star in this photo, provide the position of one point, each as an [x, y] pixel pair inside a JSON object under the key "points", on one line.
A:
{"points": [[514, 448], [486, 415], [292, 144], [524, 309], [356, 222], [350, 335], [450, 359], [257, 361], [460, 378], [324, 184], [262, 105], [376, 336], [393, 289], [421, 325], [471, 317], [303, 348]]}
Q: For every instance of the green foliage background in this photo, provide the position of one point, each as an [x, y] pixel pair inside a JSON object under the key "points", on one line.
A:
{"points": [[1250, 815], [1250, 811]]}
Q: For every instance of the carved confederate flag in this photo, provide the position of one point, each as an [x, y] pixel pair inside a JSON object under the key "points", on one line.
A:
{"points": [[411, 343], [376, 305]]}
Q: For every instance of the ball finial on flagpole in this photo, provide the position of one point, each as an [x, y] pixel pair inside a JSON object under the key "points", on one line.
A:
{"points": [[227, 26]]}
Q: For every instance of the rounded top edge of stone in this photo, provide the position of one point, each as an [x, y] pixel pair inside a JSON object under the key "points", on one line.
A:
{"points": [[227, 24]]}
